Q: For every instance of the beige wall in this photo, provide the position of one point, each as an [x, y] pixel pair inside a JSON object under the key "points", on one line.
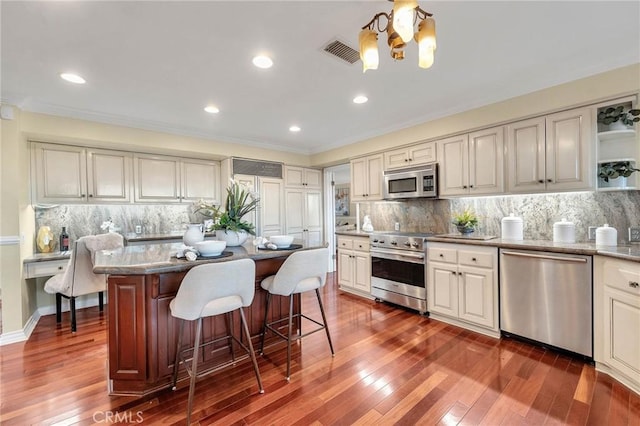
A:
{"points": [[621, 81], [17, 216]]}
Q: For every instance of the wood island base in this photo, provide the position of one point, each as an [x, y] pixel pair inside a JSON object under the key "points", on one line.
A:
{"points": [[143, 334]]}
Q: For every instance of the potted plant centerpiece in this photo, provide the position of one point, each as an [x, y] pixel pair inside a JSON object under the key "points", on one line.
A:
{"points": [[616, 170], [618, 118], [227, 221], [466, 222]]}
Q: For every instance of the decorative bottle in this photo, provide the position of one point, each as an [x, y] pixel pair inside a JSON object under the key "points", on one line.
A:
{"points": [[64, 240]]}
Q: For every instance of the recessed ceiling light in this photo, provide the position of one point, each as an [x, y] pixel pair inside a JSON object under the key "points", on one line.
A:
{"points": [[212, 109], [72, 78], [294, 129], [262, 61], [360, 99]]}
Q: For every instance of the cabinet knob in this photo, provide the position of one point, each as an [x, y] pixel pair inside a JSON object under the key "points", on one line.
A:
{"points": [[90, 195], [464, 186], [633, 284], [549, 180], [441, 255], [410, 159], [473, 259], [470, 186], [459, 273], [406, 159], [540, 181], [453, 272]]}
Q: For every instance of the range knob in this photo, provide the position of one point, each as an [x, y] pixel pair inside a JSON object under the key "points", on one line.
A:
{"points": [[407, 244], [375, 240], [415, 244], [394, 243], [381, 241]]}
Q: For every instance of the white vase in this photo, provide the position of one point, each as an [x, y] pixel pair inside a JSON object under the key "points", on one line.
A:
{"points": [[233, 238], [618, 125], [193, 234]]}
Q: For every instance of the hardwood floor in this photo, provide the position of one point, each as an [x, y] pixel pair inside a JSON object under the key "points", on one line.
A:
{"points": [[391, 367]]}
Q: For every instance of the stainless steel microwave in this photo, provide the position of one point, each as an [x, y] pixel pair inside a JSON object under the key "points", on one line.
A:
{"points": [[415, 182]]}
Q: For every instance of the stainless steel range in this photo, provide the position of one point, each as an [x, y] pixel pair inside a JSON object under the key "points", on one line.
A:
{"points": [[398, 268]]}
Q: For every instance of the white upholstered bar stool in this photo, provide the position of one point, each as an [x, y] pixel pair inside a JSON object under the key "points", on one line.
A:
{"points": [[208, 290], [304, 270]]}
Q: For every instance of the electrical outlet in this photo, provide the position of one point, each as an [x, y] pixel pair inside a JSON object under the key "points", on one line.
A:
{"points": [[397, 226], [634, 235], [592, 233]]}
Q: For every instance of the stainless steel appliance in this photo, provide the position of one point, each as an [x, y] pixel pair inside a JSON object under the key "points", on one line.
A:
{"points": [[415, 182], [547, 297], [398, 269]]}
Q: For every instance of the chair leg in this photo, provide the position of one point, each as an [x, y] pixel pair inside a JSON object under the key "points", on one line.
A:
{"points": [[324, 320], [101, 300], [58, 308], [290, 332], [176, 363], [72, 306], [264, 323], [194, 369], [228, 319], [251, 352]]}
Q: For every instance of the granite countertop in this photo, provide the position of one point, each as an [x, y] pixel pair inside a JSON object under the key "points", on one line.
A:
{"points": [[631, 252], [159, 258], [132, 237], [48, 257]]}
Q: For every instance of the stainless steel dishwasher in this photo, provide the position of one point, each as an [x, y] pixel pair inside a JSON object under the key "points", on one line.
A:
{"points": [[547, 297]]}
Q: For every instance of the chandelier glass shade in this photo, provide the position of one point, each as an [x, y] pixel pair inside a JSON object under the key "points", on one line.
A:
{"points": [[399, 25]]}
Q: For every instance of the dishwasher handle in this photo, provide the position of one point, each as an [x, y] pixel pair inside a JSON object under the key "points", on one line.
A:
{"points": [[544, 256]]}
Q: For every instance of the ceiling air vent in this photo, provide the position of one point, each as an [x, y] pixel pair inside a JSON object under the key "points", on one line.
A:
{"points": [[342, 51]]}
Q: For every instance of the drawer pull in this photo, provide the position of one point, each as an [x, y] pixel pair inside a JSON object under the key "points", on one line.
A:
{"points": [[633, 284], [60, 269], [441, 255], [473, 259]]}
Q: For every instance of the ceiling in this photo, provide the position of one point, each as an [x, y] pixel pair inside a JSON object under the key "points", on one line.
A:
{"points": [[156, 64]]}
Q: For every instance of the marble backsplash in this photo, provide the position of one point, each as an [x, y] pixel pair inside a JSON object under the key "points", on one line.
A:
{"points": [[619, 209], [539, 211], [86, 219]]}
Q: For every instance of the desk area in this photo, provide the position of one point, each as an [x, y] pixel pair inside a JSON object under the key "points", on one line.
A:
{"points": [[143, 279], [46, 264]]}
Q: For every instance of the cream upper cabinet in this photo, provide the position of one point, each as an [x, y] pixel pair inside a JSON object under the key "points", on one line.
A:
{"points": [[300, 177], [304, 215], [551, 153], [366, 178], [109, 176], [472, 164], [157, 178], [415, 155], [166, 179], [71, 174], [200, 180]]}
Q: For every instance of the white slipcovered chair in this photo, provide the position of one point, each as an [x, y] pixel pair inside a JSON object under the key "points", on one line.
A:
{"points": [[207, 290], [78, 279], [304, 270]]}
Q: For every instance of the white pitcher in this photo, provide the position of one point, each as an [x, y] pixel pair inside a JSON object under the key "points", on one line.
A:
{"points": [[194, 234]]}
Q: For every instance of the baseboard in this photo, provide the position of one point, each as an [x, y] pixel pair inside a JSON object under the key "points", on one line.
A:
{"points": [[21, 335], [81, 303]]}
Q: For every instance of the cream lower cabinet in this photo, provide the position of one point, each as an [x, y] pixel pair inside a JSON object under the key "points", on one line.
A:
{"points": [[551, 153], [304, 215], [472, 164], [354, 265], [617, 319], [462, 286], [366, 178]]}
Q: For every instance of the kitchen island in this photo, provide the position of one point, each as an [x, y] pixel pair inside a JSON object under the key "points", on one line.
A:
{"points": [[143, 279]]}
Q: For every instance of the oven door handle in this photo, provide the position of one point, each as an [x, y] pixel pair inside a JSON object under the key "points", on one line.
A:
{"points": [[394, 255]]}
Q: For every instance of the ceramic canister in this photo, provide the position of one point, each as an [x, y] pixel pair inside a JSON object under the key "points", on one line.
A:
{"points": [[512, 228], [564, 232], [606, 236]]}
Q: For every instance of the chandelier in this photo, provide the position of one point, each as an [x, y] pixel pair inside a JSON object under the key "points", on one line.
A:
{"points": [[399, 26]]}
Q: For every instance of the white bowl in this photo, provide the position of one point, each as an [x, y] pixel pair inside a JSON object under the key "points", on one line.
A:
{"points": [[210, 248], [281, 241]]}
